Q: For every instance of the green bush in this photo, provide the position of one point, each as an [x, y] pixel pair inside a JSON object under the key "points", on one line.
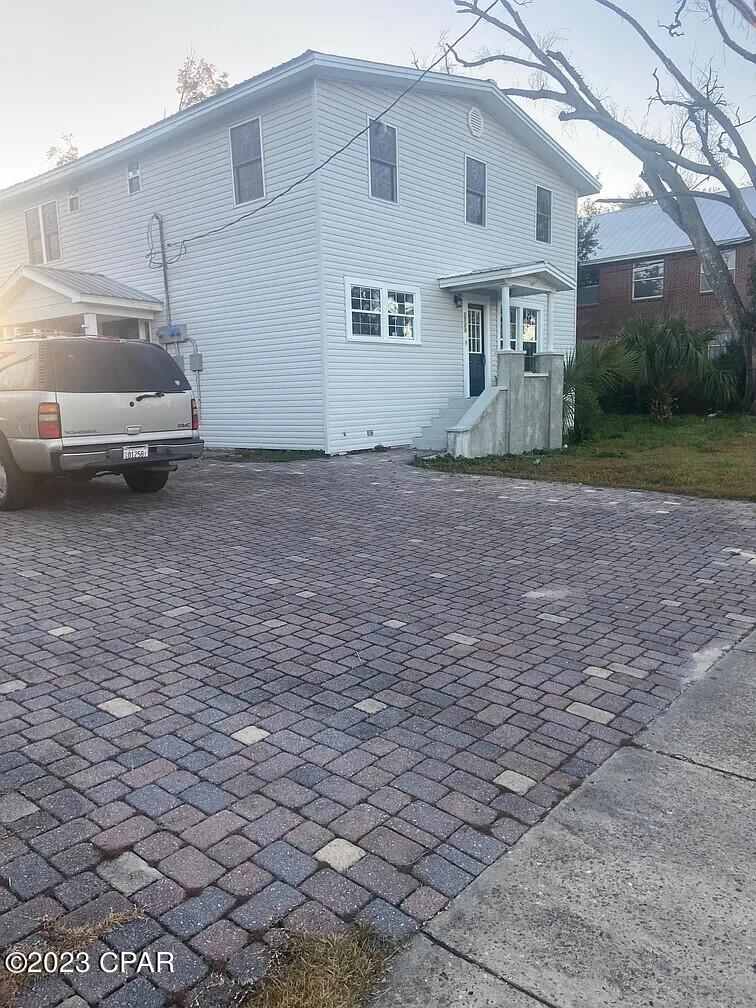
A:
{"points": [[592, 370]]}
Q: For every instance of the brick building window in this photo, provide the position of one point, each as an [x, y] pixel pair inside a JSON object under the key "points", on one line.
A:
{"points": [[729, 258], [648, 280]]}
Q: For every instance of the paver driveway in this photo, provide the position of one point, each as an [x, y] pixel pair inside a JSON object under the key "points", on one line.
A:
{"points": [[322, 691]]}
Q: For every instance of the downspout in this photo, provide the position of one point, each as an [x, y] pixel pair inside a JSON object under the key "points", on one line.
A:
{"points": [[164, 266]]}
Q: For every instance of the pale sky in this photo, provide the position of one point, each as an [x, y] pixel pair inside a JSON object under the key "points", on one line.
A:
{"points": [[101, 70]]}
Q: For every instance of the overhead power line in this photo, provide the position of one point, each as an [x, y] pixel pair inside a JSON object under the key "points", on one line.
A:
{"points": [[183, 245]]}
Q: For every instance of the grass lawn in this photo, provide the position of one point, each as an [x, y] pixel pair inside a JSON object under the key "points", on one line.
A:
{"points": [[700, 456]]}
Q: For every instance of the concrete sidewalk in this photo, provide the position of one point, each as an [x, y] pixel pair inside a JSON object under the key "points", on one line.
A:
{"points": [[638, 890]]}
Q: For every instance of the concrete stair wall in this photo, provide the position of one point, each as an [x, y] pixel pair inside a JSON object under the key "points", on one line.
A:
{"points": [[434, 436]]}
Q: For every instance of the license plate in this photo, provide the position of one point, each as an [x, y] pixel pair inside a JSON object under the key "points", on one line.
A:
{"points": [[136, 452]]}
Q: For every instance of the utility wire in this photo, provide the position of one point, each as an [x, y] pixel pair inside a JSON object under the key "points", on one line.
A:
{"points": [[183, 245]]}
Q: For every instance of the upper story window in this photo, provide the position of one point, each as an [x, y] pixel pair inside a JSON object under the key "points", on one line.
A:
{"points": [[247, 161], [729, 258], [383, 161], [382, 313], [43, 233], [648, 280], [73, 200], [134, 177], [543, 214], [475, 191], [588, 288]]}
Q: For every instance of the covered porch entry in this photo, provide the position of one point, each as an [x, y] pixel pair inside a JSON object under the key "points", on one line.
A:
{"points": [[42, 299], [506, 308]]}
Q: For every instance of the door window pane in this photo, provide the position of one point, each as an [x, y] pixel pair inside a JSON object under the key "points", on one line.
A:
{"points": [[530, 336]]}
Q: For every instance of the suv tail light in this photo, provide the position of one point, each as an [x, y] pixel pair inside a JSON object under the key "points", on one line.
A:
{"points": [[195, 415], [48, 421]]}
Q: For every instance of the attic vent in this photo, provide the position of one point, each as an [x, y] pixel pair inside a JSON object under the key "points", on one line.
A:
{"points": [[475, 121]]}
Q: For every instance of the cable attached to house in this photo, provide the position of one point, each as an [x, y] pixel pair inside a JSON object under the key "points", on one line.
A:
{"points": [[183, 245]]}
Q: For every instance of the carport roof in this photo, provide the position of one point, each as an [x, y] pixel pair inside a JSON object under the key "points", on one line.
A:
{"points": [[81, 286]]}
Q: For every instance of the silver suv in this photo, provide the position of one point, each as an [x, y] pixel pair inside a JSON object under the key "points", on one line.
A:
{"points": [[82, 406]]}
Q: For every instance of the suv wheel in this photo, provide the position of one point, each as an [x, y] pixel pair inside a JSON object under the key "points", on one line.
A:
{"points": [[15, 487], [146, 480]]}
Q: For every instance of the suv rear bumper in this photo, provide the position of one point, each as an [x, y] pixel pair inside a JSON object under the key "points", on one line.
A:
{"points": [[110, 458]]}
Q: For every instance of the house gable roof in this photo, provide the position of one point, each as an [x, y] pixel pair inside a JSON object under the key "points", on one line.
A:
{"points": [[646, 230], [306, 66]]}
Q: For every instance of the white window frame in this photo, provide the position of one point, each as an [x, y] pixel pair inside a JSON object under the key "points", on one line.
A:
{"points": [[74, 196], [470, 157], [246, 122], [727, 254], [381, 199], [134, 171], [640, 265], [384, 287], [551, 215], [38, 208]]}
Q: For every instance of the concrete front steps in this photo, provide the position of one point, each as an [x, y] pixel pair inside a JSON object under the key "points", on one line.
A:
{"points": [[434, 437]]}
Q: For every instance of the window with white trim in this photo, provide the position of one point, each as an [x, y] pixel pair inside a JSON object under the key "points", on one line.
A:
{"points": [[543, 214], [134, 177], [383, 161], [475, 191], [247, 161], [73, 200], [382, 313], [43, 233], [729, 258], [648, 280]]}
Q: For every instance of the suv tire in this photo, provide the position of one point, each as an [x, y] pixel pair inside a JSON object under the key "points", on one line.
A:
{"points": [[15, 486], [146, 480]]}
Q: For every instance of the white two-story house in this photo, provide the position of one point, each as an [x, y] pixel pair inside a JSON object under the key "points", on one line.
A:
{"points": [[369, 297]]}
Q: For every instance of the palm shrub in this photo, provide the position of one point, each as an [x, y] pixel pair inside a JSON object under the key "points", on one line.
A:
{"points": [[592, 370], [673, 360]]}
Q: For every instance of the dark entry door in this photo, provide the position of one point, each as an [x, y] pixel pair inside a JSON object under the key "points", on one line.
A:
{"points": [[476, 345]]}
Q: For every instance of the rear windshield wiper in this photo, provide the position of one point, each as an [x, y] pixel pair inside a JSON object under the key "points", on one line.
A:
{"points": [[150, 395]]}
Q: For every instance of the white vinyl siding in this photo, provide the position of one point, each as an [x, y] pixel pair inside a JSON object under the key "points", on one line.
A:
{"points": [[249, 296], [729, 257], [247, 161], [393, 390], [648, 280]]}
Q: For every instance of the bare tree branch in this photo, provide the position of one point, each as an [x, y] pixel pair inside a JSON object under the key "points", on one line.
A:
{"points": [[747, 54]]}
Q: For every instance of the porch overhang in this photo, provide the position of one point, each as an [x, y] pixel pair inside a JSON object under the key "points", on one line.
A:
{"points": [[522, 278], [35, 294]]}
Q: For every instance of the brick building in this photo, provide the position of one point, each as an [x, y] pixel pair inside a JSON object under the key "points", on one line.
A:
{"points": [[645, 267]]}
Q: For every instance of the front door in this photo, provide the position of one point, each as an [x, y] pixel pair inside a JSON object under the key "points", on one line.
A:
{"points": [[476, 345]]}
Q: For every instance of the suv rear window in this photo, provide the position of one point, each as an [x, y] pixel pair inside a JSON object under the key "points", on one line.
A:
{"points": [[91, 366]]}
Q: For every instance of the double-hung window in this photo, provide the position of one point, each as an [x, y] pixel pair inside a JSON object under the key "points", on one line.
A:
{"points": [[43, 234], [648, 280], [73, 200], [134, 177], [543, 214], [247, 161], [382, 313], [383, 161], [705, 284], [475, 191]]}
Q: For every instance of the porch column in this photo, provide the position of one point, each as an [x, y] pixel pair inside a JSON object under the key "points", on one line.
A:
{"points": [[90, 324], [549, 321], [504, 341]]}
